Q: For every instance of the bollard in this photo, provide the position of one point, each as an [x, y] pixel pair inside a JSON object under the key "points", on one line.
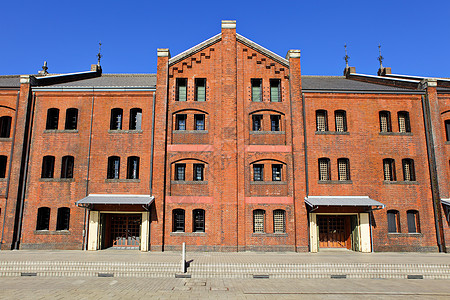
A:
{"points": [[183, 258]]}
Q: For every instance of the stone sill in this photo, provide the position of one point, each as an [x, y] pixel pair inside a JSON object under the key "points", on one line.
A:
{"points": [[188, 182], [199, 234], [333, 132], [61, 130], [268, 132], [3, 179], [401, 182], [335, 182], [268, 182], [51, 232], [124, 131], [397, 133], [123, 180], [56, 179], [399, 234], [9, 139], [190, 131], [269, 234]]}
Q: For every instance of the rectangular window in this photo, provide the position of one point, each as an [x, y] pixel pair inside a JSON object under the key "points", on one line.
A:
{"points": [[385, 121], [198, 172], [199, 122], [343, 169], [258, 221], [113, 167], [279, 221], [48, 165], [389, 169], [116, 119], [181, 93], [324, 169], [403, 122], [63, 218], [275, 90], [180, 171], [413, 221], [178, 220], [256, 90], [67, 167], [321, 120], [258, 172], [276, 172], [180, 122], [393, 221], [275, 122], [200, 89], [71, 119], [341, 121], [43, 218], [135, 119], [199, 220], [447, 130], [408, 170], [133, 167], [257, 122]]}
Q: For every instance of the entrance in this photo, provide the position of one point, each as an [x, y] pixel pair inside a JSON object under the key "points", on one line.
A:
{"points": [[334, 231], [120, 231]]}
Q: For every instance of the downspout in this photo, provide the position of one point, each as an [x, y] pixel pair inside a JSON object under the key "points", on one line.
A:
{"points": [[305, 142], [432, 167], [293, 161], [24, 170], [152, 148], [10, 168]]}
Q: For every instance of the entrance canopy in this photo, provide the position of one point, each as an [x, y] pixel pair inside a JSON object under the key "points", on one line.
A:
{"points": [[446, 202], [349, 201], [115, 199]]}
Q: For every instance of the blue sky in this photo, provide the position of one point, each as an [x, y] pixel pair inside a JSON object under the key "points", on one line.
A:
{"points": [[414, 35]]}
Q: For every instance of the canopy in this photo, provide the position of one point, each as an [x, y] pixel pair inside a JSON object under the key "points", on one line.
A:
{"points": [[445, 202], [315, 201], [115, 199]]}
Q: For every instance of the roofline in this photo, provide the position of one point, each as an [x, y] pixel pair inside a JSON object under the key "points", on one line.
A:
{"points": [[419, 92], [93, 89], [261, 49], [195, 49]]}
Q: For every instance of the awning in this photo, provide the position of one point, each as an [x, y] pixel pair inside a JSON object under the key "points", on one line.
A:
{"points": [[115, 199], [445, 202], [316, 201]]}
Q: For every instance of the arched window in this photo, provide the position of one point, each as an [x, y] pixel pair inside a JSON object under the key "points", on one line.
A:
{"points": [[324, 169], [71, 119], [3, 166], [393, 221], [5, 126], [178, 220], [198, 216], [133, 167], [389, 169], [279, 221], [52, 119], [67, 166], [413, 221], [62, 222], [385, 121], [113, 167], [135, 119], [258, 220], [116, 119], [403, 121], [340, 117], [343, 169], [48, 165], [408, 170], [43, 218], [447, 130]]}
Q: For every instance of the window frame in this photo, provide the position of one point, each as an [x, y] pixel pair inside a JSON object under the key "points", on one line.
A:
{"points": [[52, 119], [393, 221], [322, 176], [275, 122], [198, 220], [178, 220], [258, 176], [67, 166], [411, 173], [63, 219], [391, 165], [196, 168], [256, 83], [3, 165], [71, 119], [135, 119], [178, 84], [413, 221], [180, 172], [275, 83], [113, 171], [199, 122], [133, 167], [43, 218], [197, 82], [321, 113], [116, 122], [277, 170], [343, 114], [404, 115], [275, 222], [346, 162], [259, 224], [385, 114], [180, 119], [5, 126], [48, 166], [257, 122]]}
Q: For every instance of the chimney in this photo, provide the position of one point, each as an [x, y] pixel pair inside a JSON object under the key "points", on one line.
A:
{"points": [[229, 24], [383, 71]]}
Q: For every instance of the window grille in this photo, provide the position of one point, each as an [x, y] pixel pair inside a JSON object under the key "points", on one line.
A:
{"points": [[43, 218], [180, 171], [258, 172], [321, 120], [257, 122], [341, 121], [408, 170], [275, 90], [256, 90], [275, 122], [199, 220], [52, 119], [178, 220], [279, 222], [200, 89], [181, 94], [258, 221], [389, 169], [343, 169], [324, 169], [385, 121], [180, 122], [403, 122], [116, 119], [5, 126], [71, 119], [135, 119], [63, 218], [199, 122], [276, 172]]}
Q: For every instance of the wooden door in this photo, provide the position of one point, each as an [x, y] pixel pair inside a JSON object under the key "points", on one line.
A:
{"points": [[333, 231], [125, 230]]}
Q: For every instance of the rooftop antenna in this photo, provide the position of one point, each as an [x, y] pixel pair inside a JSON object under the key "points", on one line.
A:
{"points": [[380, 58], [346, 57], [99, 56]]}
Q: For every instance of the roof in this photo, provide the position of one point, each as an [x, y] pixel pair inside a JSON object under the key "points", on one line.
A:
{"points": [[116, 199], [445, 202], [10, 81], [113, 80], [341, 201]]}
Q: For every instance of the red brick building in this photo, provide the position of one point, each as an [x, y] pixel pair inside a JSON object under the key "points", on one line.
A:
{"points": [[228, 147]]}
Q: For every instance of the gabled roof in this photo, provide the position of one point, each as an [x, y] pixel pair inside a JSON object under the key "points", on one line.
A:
{"points": [[113, 80], [10, 81]]}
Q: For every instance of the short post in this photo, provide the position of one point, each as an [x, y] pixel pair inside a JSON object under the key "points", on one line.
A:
{"points": [[183, 258]]}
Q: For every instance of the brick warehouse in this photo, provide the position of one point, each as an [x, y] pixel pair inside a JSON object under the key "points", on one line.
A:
{"points": [[227, 148]]}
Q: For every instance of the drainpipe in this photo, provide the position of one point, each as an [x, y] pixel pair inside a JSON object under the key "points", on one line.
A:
{"points": [[305, 142], [152, 147]]}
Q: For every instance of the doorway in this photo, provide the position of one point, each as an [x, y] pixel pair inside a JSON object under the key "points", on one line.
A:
{"points": [[120, 231], [334, 231]]}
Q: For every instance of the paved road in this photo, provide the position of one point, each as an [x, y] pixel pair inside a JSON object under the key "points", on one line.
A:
{"points": [[172, 288]]}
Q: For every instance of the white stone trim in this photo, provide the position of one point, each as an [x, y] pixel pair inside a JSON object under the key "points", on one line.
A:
{"points": [[228, 24], [94, 217]]}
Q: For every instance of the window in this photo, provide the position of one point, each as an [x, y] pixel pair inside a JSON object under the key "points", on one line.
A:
{"points": [[43, 218], [324, 169], [403, 121], [275, 122], [257, 122], [133, 167], [389, 169], [71, 119], [408, 170], [275, 90], [181, 94], [116, 119], [178, 220], [5, 126], [276, 172], [63, 218], [341, 120], [52, 119], [279, 221], [199, 122], [48, 165], [198, 215], [413, 221], [258, 220], [198, 172], [200, 89], [135, 119], [113, 167], [321, 120], [180, 172], [393, 221], [258, 172], [385, 121], [256, 90], [180, 122], [343, 169], [447, 130], [3, 166], [67, 167]]}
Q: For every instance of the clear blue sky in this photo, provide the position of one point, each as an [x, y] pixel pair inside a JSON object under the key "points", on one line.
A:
{"points": [[414, 35]]}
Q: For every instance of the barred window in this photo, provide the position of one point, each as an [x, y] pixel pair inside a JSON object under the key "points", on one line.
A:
{"points": [[43, 218], [200, 89], [199, 220], [279, 221], [324, 169], [275, 122], [257, 122], [180, 122], [276, 172], [67, 164], [389, 169], [321, 120], [403, 121], [71, 119], [48, 165], [258, 220], [180, 172], [135, 119], [178, 220], [63, 218], [52, 119], [181, 93], [256, 89], [341, 120], [113, 167], [258, 172], [116, 119], [343, 169], [385, 121], [393, 221], [413, 221], [408, 170], [275, 90], [5, 126]]}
